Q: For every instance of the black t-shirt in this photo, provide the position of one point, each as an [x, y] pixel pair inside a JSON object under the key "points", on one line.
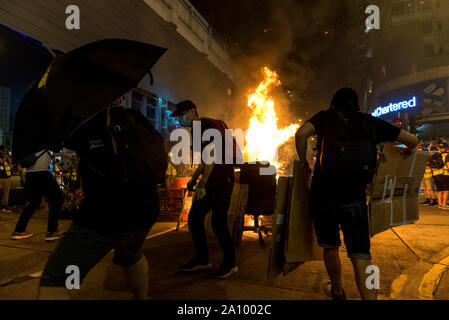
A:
{"points": [[221, 178], [341, 187], [108, 206]]}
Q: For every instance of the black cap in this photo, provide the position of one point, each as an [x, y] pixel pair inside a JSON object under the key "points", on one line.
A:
{"points": [[182, 107], [345, 99]]}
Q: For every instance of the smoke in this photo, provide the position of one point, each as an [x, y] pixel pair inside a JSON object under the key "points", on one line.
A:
{"points": [[290, 37], [288, 41]]}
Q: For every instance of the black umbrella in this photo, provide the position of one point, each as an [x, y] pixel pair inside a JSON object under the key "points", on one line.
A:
{"points": [[76, 86]]}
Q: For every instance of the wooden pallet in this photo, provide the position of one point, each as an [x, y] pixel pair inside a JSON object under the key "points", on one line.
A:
{"points": [[236, 214]]}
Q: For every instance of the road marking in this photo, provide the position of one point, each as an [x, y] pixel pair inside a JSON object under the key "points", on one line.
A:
{"points": [[36, 274], [431, 280], [39, 273], [163, 232], [397, 286]]}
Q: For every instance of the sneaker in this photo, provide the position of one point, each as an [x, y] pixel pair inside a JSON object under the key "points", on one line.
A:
{"points": [[52, 236], [223, 272], [195, 265], [427, 201], [21, 235], [328, 291], [434, 202]]}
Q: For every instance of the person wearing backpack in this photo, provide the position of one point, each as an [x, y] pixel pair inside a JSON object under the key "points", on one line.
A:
{"points": [[438, 163], [40, 182], [346, 163], [427, 182], [213, 192], [122, 162]]}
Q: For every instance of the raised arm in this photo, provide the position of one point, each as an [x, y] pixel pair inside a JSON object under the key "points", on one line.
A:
{"points": [[408, 139], [301, 137]]}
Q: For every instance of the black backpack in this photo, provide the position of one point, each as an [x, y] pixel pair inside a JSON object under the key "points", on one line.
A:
{"points": [[120, 145], [435, 161], [349, 146]]}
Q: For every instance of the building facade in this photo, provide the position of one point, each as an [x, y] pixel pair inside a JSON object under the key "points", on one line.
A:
{"points": [[195, 66], [409, 68]]}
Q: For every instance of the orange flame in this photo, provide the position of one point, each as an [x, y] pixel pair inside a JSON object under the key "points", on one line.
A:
{"points": [[263, 136]]}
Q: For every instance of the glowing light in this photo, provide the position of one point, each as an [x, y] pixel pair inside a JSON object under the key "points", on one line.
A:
{"points": [[263, 136]]}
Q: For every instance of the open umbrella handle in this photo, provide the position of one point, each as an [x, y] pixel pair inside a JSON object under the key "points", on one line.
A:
{"points": [[50, 51]]}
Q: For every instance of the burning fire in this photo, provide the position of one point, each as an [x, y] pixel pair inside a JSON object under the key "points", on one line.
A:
{"points": [[263, 136]]}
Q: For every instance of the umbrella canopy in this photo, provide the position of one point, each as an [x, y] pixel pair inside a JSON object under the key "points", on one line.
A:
{"points": [[76, 86]]}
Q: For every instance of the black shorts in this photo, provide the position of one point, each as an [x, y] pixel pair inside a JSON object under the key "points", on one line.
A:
{"points": [[353, 219], [441, 182], [84, 248]]}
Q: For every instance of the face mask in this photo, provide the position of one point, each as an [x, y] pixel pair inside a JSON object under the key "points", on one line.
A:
{"points": [[184, 122]]}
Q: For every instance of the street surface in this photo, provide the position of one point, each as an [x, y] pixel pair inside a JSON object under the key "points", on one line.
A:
{"points": [[412, 259]]}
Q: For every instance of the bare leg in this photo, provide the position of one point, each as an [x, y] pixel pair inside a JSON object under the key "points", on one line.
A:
{"points": [[432, 193], [360, 266], [333, 267], [53, 293], [426, 193], [445, 194], [137, 276], [440, 198]]}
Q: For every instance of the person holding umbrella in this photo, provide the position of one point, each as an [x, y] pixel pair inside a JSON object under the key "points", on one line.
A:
{"points": [[78, 102]]}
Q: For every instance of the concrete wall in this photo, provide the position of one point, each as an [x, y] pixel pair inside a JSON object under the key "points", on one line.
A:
{"points": [[183, 72]]}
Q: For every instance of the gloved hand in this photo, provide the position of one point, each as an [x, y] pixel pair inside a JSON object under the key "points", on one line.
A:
{"points": [[191, 184], [201, 190]]}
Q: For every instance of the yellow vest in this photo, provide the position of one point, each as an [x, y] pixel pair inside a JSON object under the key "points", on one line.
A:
{"points": [[6, 167], [428, 173], [444, 170], [74, 175]]}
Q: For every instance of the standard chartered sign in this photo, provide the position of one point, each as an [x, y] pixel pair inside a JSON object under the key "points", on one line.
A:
{"points": [[392, 107]]}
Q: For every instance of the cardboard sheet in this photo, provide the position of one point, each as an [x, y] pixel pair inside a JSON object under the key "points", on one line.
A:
{"points": [[301, 242], [236, 214], [277, 247], [394, 194]]}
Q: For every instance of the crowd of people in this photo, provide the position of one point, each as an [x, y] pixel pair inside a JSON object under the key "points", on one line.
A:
{"points": [[435, 183], [337, 194]]}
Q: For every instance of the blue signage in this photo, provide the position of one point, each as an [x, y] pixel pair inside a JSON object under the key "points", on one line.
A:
{"points": [[392, 107]]}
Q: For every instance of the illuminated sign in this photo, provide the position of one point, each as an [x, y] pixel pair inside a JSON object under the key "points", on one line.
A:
{"points": [[392, 107]]}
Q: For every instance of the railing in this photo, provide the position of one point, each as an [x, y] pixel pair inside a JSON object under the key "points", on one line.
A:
{"points": [[195, 29]]}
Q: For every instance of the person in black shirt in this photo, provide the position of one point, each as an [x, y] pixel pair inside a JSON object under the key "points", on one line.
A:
{"points": [[112, 215], [339, 198], [212, 193]]}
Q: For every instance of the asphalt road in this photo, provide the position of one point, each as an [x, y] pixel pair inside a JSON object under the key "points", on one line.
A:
{"points": [[413, 262]]}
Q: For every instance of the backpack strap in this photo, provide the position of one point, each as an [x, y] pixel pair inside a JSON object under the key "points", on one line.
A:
{"points": [[109, 128]]}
